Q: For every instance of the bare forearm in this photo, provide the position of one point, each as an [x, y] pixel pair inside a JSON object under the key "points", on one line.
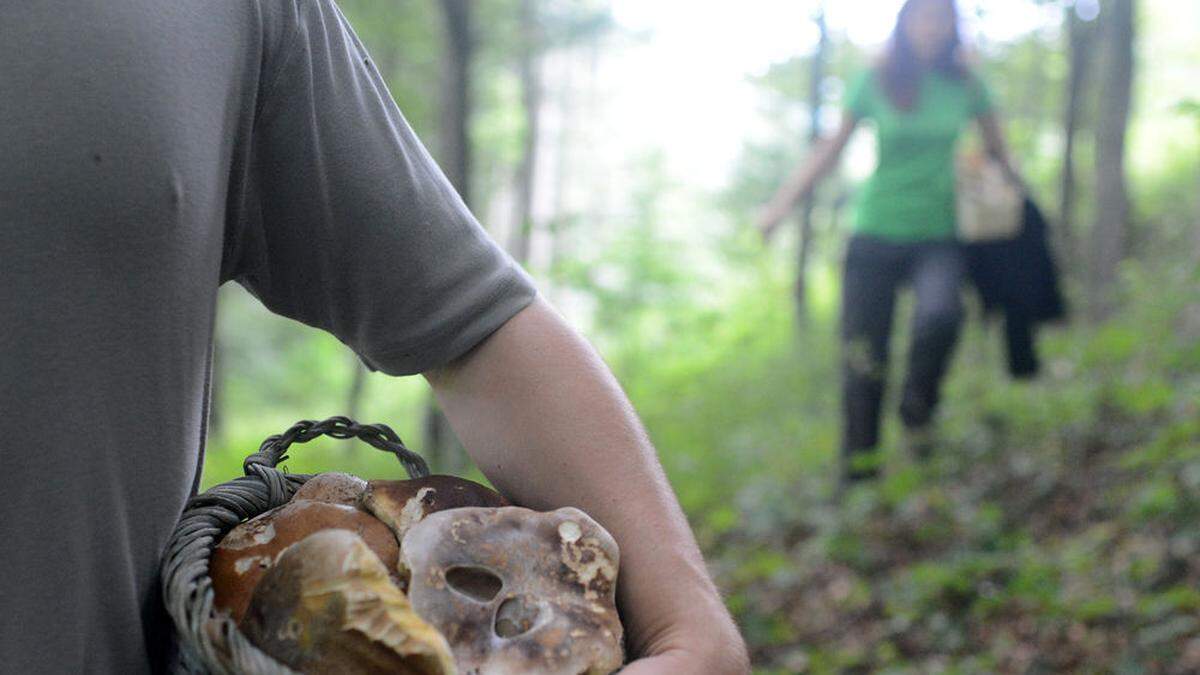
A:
{"points": [[804, 177], [547, 423]]}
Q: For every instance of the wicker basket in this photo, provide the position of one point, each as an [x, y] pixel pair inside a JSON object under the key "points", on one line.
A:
{"points": [[209, 642]]}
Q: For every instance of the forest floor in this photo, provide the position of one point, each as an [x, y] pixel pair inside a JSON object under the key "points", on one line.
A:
{"points": [[1056, 529]]}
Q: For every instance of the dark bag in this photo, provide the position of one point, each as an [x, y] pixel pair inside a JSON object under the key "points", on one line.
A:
{"points": [[1019, 279]]}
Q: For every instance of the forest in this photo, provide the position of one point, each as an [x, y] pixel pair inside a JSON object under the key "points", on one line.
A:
{"points": [[620, 151]]}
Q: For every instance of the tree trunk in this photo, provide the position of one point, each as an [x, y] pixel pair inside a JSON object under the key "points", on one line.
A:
{"points": [[1079, 50], [1196, 228], [1112, 198], [531, 100], [816, 75], [440, 445], [456, 95], [358, 383]]}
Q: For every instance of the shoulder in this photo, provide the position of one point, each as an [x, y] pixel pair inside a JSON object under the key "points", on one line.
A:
{"points": [[978, 93], [861, 90], [972, 80], [970, 67], [866, 76]]}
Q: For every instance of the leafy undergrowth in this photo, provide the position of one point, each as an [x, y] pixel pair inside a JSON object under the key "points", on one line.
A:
{"points": [[1056, 529]]}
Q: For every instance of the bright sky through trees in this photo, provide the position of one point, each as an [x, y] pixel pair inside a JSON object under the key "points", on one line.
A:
{"points": [[685, 89]]}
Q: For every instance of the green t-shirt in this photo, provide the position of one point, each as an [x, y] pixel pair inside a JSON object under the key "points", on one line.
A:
{"points": [[910, 197]]}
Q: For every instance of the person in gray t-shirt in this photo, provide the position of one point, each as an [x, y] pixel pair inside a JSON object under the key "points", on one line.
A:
{"points": [[152, 151]]}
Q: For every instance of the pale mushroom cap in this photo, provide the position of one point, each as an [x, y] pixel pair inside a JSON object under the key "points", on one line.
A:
{"points": [[333, 488], [518, 591]]}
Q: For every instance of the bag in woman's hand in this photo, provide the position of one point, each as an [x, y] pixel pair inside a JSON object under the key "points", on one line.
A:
{"points": [[989, 206]]}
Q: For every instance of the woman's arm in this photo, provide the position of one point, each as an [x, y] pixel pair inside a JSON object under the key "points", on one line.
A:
{"points": [[997, 149], [548, 424], [805, 176]]}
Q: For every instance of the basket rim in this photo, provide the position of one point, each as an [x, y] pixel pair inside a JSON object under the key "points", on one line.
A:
{"points": [[208, 640]]}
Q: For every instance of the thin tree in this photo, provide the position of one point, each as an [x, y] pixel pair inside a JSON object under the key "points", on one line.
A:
{"points": [[569, 37], [1192, 107], [358, 382], [529, 52], [816, 76], [1080, 53], [1112, 197], [456, 160]]}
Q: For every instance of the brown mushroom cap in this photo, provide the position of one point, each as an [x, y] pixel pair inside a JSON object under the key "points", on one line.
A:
{"points": [[333, 488], [250, 549], [403, 503], [328, 606]]}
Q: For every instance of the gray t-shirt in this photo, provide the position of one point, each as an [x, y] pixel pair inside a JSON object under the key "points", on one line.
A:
{"points": [[149, 152]]}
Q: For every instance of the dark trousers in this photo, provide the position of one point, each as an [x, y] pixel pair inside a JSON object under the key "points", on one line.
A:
{"points": [[875, 270]]}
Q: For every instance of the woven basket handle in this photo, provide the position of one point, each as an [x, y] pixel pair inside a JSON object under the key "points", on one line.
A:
{"points": [[274, 449]]}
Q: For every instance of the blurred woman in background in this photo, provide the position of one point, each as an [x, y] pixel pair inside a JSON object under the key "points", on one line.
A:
{"points": [[920, 95]]}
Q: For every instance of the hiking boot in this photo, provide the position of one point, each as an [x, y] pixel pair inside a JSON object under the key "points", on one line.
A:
{"points": [[858, 467]]}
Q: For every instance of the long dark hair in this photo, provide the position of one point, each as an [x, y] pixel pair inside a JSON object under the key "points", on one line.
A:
{"points": [[901, 69]]}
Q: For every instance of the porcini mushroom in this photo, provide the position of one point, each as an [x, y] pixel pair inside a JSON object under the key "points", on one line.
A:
{"points": [[518, 591], [403, 503], [250, 549], [328, 606], [333, 488]]}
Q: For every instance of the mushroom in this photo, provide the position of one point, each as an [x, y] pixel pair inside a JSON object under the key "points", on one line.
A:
{"points": [[333, 488], [518, 591], [328, 606], [403, 503], [250, 549]]}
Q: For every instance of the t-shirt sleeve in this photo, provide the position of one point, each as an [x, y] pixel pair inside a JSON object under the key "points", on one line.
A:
{"points": [[859, 94], [347, 224], [981, 97]]}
